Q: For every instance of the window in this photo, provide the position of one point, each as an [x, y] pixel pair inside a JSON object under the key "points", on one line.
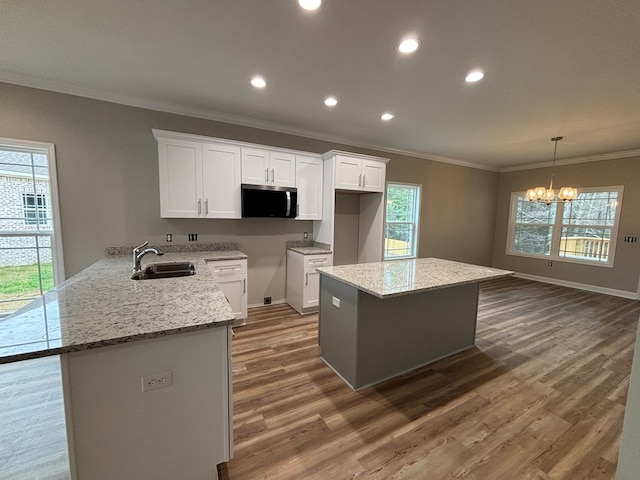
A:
{"points": [[582, 231], [35, 208], [401, 222], [30, 240]]}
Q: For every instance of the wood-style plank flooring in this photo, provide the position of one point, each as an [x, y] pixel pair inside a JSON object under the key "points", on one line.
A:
{"points": [[542, 397]]}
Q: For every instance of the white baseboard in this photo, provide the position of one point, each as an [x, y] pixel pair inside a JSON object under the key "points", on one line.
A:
{"points": [[273, 302], [581, 286]]}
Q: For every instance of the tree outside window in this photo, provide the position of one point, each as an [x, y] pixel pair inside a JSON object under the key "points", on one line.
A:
{"points": [[401, 222]]}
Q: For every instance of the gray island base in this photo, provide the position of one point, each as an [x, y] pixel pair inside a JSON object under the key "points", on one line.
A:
{"points": [[380, 320]]}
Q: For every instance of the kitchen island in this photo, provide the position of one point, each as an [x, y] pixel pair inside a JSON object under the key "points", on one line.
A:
{"points": [[379, 320], [145, 366]]}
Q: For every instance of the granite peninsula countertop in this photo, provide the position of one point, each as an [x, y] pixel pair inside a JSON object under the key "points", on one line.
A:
{"points": [[402, 277], [102, 306]]}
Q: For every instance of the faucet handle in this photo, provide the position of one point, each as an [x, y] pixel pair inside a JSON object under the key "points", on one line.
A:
{"points": [[137, 249]]}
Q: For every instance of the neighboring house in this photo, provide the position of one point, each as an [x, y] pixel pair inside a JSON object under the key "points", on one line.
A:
{"points": [[25, 207]]}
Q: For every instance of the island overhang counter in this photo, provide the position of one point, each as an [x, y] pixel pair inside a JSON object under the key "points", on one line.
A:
{"points": [[379, 320]]}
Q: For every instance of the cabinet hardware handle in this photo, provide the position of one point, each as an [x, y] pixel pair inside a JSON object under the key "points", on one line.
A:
{"points": [[273, 176], [199, 206], [266, 175], [306, 281], [244, 285], [288, 211], [363, 180], [206, 207], [359, 180]]}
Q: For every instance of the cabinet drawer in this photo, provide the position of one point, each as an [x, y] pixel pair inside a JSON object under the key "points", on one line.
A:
{"points": [[227, 267], [315, 261]]}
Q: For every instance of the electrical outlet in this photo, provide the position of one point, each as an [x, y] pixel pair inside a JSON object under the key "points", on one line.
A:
{"points": [[267, 300], [305, 235], [193, 237], [550, 263], [156, 380], [335, 301], [168, 237]]}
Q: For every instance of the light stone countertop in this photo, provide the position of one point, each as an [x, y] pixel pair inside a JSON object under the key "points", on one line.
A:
{"points": [[310, 250], [402, 277], [308, 247], [102, 306]]}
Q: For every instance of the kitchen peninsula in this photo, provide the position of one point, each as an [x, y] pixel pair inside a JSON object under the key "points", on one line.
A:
{"points": [[110, 332], [379, 320]]}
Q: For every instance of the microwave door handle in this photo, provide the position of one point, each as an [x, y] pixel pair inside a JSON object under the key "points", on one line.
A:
{"points": [[288, 204]]}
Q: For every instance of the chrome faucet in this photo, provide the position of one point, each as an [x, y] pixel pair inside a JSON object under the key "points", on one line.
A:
{"points": [[138, 253]]}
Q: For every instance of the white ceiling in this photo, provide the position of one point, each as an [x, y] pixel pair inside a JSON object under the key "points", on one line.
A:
{"points": [[562, 67]]}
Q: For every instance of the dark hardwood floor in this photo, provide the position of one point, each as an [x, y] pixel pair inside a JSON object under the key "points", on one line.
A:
{"points": [[541, 396]]}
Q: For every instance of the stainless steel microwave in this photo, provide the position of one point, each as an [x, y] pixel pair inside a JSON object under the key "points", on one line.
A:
{"points": [[269, 201]]}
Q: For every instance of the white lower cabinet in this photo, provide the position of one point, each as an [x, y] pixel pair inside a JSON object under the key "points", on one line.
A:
{"points": [[231, 277], [303, 280]]}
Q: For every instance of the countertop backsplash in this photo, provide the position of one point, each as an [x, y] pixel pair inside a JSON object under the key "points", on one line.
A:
{"points": [[178, 248]]}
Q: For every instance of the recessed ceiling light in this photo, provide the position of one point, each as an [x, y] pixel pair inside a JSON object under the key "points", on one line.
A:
{"points": [[310, 4], [386, 116], [474, 76], [330, 101], [258, 82], [409, 45]]}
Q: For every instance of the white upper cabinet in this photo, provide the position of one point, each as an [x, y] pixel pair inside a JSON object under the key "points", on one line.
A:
{"points": [[361, 174], [198, 179], [309, 184], [268, 167], [373, 175], [180, 169], [221, 181]]}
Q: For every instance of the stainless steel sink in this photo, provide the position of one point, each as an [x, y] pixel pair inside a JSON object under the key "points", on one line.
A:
{"points": [[165, 270]]}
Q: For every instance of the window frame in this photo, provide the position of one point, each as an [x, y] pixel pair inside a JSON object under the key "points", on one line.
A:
{"points": [[53, 206], [556, 234], [416, 223]]}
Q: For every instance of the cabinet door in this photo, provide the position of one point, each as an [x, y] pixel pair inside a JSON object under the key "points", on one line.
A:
{"points": [[348, 175], [234, 288], [255, 166], [221, 180], [180, 173], [373, 174], [309, 184], [282, 169], [311, 292]]}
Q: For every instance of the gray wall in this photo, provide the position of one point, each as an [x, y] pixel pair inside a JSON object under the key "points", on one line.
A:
{"points": [[626, 272], [108, 182], [458, 208]]}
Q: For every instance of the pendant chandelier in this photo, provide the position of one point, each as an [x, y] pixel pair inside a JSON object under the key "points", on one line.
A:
{"points": [[548, 195]]}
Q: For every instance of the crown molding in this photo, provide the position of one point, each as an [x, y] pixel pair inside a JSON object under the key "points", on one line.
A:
{"points": [[598, 157], [206, 114]]}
